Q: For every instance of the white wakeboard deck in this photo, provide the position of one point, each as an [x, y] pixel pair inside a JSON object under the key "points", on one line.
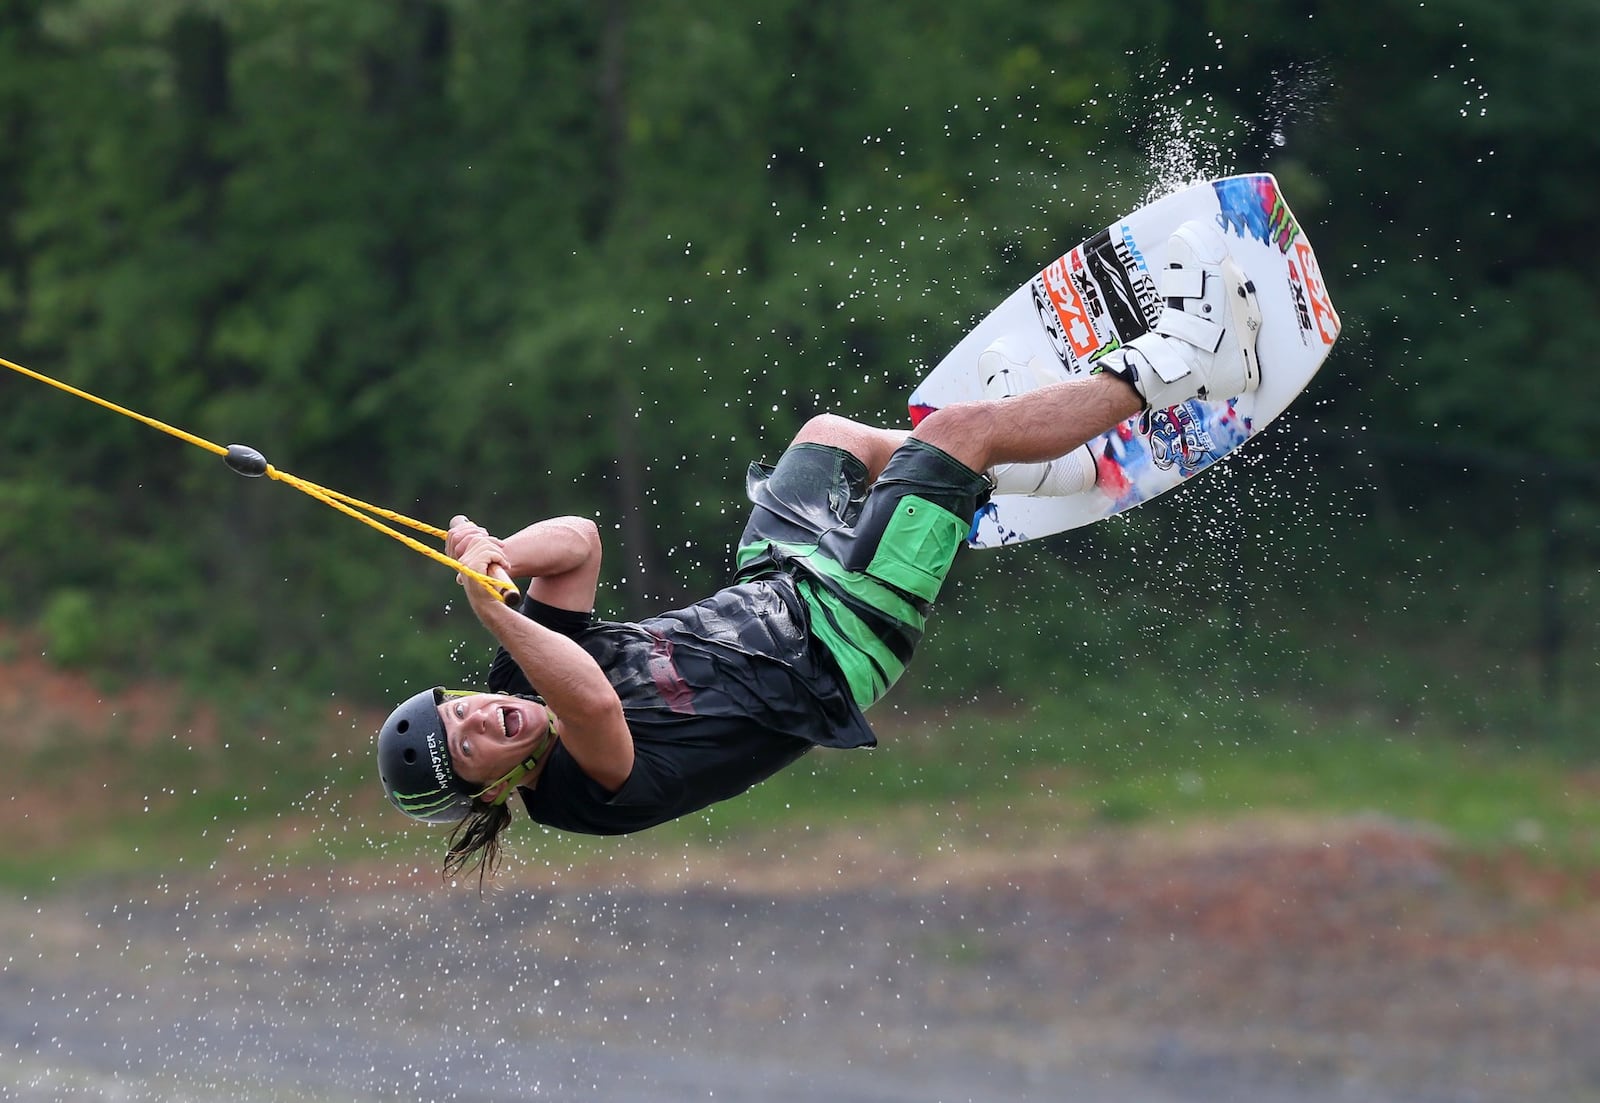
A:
{"points": [[1103, 294]]}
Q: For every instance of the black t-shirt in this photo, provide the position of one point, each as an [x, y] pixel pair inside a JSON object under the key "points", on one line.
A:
{"points": [[719, 696]]}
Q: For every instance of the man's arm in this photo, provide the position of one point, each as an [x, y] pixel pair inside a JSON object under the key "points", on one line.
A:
{"points": [[588, 713]]}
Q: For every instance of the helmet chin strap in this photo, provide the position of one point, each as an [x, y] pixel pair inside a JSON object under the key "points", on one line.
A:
{"points": [[514, 776]]}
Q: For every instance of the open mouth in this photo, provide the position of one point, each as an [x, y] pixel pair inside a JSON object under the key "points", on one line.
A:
{"points": [[510, 722]]}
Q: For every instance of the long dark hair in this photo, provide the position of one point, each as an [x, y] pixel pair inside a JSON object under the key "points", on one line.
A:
{"points": [[475, 842]]}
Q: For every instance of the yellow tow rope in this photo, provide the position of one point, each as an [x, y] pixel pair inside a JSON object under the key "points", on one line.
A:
{"points": [[250, 463]]}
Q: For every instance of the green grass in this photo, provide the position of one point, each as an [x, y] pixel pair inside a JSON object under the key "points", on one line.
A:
{"points": [[1113, 752], [1100, 759]]}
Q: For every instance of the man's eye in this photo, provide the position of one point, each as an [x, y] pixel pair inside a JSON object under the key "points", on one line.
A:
{"points": [[461, 711], [466, 747]]}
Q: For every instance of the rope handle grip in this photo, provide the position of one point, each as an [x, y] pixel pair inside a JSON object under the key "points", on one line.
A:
{"points": [[507, 588]]}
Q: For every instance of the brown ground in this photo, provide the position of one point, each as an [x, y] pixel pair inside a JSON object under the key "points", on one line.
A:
{"points": [[1265, 959]]}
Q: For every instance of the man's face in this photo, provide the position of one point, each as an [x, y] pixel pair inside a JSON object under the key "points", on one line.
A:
{"points": [[489, 734]]}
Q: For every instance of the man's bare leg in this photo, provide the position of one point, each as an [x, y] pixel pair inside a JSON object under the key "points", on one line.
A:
{"points": [[868, 443], [1031, 428], [1201, 346]]}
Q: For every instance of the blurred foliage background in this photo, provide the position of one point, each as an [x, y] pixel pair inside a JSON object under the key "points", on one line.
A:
{"points": [[521, 259]]}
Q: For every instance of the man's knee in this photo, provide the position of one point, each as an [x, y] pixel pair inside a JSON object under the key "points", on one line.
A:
{"points": [[830, 429], [964, 431], [868, 443]]}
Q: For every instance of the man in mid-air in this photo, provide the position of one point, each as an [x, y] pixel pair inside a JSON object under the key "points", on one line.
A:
{"points": [[607, 728]]}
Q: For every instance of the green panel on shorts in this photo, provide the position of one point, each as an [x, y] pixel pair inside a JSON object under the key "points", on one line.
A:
{"points": [[917, 547], [869, 591], [749, 553], [912, 558], [868, 666]]}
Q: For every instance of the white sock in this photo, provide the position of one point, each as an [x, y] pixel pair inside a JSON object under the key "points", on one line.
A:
{"points": [[1070, 474]]}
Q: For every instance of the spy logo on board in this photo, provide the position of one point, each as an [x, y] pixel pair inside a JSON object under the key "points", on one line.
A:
{"points": [[1313, 309], [1322, 311], [1063, 314]]}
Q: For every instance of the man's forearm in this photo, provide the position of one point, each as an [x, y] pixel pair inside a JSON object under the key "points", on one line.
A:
{"points": [[564, 674], [589, 715], [551, 547]]}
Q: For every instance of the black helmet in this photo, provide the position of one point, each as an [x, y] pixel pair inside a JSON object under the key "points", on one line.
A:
{"points": [[414, 763]]}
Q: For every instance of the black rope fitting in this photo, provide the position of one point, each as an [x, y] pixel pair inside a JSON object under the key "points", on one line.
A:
{"points": [[246, 461]]}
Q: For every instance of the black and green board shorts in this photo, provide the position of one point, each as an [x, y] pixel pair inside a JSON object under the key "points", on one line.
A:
{"points": [[867, 559]]}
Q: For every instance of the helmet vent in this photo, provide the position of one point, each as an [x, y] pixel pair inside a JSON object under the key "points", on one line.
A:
{"points": [[414, 762]]}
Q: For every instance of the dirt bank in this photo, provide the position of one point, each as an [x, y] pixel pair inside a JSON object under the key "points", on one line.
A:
{"points": [[1278, 960]]}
